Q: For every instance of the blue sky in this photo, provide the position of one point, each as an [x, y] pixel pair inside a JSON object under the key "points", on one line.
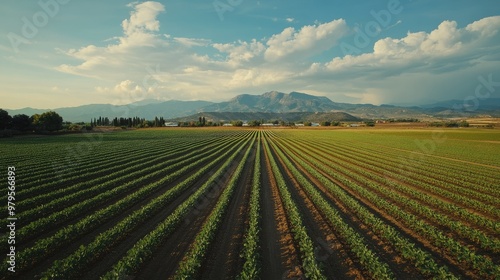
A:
{"points": [[61, 53]]}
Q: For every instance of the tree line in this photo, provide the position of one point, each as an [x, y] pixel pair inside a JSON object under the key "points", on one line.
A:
{"points": [[48, 121], [127, 122]]}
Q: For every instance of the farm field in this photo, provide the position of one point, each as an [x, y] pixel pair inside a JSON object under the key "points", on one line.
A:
{"points": [[255, 204]]}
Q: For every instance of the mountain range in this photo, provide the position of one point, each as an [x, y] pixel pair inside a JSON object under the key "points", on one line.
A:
{"points": [[272, 103]]}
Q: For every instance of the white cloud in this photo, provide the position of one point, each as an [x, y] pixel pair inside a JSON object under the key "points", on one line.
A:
{"points": [[143, 18], [127, 91], [487, 27], [190, 42], [138, 32], [290, 19], [241, 52], [441, 64], [197, 68], [445, 46], [308, 41]]}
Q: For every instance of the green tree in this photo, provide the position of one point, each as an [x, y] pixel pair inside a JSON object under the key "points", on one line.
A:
{"points": [[35, 121], [254, 123], [237, 123], [21, 122], [49, 121], [5, 119], [370, 123]]}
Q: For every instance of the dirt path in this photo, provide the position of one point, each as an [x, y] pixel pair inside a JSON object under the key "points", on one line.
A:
{"points": [[168, 256], [224, 261], [280, 259], [329, 250]]}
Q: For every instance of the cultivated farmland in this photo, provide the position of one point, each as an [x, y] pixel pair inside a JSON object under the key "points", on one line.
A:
{"points": [[255, 204]]}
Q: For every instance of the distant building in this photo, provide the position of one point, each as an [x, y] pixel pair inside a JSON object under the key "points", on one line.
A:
{"points": [[171, 124], [227, 124]]}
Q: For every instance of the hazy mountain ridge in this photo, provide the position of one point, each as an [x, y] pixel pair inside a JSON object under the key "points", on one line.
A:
{"points": [[273, 102], [166, 109], [268, 116]]}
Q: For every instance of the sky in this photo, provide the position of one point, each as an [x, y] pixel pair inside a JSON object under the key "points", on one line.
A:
{"points": [[65, 53]]}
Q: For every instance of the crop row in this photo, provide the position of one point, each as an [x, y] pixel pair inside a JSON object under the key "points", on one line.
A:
{"points": [[310, 265], [145, 247], [406, 159], [106, 192], [357, 244], [437, 175], [193, 259], [388, 188], [65, 235], [251, 266], [459, 252], [473, 177], [92, 191], [64, 158], [423, 261], [392, 177], [85, 255], [391, 185], [107, 164]]}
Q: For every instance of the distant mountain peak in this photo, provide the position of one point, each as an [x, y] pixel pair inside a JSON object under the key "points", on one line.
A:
{"points": [[301, 95], [275, 101]]}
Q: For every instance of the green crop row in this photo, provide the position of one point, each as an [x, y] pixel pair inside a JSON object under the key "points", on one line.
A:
{"points": [[108, 165], [459, 252], [357, 244], [72, 266], [432, 167], [91, 189], [144, 248], [310, 265], [356, 164], [193, 259], [48, 245], [251, 266], [105, 191], [423, 261]]}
